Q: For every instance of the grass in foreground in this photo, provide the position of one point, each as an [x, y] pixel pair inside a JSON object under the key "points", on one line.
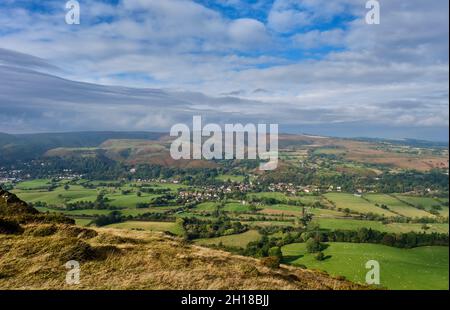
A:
{"points": [[122, 259]]}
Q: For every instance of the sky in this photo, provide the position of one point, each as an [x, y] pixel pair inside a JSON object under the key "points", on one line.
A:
{"points": [[312, 66]]}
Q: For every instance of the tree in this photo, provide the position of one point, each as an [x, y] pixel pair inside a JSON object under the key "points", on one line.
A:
{"points": [[66, 187], [320, 256], [313, 245], [276, 251]]}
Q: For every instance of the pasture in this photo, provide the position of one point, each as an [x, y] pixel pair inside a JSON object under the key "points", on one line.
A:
{"points": [[149, 226], [410, 269], [426, 202], [237, 240], [352, 224], [355, 203], [397, 206]]}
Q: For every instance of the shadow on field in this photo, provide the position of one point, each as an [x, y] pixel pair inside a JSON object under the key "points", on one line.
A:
{"points": [[290, 258]]}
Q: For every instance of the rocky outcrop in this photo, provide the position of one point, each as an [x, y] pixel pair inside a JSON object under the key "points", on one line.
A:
{"points": [[11, 205]]}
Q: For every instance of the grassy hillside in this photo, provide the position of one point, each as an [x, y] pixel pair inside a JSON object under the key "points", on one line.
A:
{"points": [[121, 259]]}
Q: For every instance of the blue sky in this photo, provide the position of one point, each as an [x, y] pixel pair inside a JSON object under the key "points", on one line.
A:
{"points": [[301, 63]]}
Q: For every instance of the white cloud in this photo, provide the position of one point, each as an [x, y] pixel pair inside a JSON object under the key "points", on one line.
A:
{"points": [[246, 31], [393, 73]]}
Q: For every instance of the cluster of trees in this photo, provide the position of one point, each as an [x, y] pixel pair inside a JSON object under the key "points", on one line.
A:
{"points": [[364, 235], [153, 216], [275, 201], [111, 218], [385, 183], [192, 176], [222, 226], [100, 203], [315, 240], [261, 248], [398, 219], [95, 168], [165, 200], [152, 190]]}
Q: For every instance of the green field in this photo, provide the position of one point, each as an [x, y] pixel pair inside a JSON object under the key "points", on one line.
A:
{"points": [[351, 224], [93, 212], [236, 207], [230, 177], [238, 240], [34, 184], [397, 206], [425, 202], [419, 268], [30, 192], [282, 209], [207, 206], [276, 195], [304, 198], [129, 200], [229, 207], [82, 221], [149, 226], [268, 223], [59, 196], [357, 204], [324, 212]]}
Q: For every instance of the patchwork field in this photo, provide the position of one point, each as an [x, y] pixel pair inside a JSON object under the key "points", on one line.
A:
{"points": [[281, 209], [414, 269], [149, 226], [397, 206], [77, 193], [351, 224], [427, 203], [34, 184], [238, 240], [355, 203], [305, 199]]}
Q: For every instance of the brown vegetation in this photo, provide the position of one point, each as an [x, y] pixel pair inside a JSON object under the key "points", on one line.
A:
{"points": [[118, 259]]}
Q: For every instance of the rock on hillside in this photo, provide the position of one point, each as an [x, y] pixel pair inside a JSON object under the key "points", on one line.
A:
{"points": [[11, 205]]}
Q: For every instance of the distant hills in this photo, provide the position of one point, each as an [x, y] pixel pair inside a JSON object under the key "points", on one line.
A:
{"points": [[153, 148], [32, 146]]}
